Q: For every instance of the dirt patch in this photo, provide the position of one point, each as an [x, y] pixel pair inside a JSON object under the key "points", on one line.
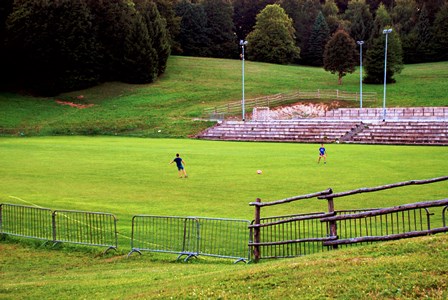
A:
{"points": [[302, 110], [73, 104]]}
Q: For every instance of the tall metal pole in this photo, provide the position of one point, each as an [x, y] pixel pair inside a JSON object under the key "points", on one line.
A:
{"points": [[243, 43], [360, 72], [386, 32]]}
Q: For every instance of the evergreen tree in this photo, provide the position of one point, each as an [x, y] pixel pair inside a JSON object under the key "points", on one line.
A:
{"points": [[340, 54], [404, 18], [167, 11], [5, 11], [440, 29], [51, 47], [423, 38], [273, 37], [220, 28], [318, 39], [361, 20], [245, 13], [160, 44], [307, 14], [330, 11], [193, 38], [374, 59], [139, 63]]}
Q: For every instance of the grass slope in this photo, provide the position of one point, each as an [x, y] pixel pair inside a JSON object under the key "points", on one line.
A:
{"points": [[406, 269], [167, 107]]}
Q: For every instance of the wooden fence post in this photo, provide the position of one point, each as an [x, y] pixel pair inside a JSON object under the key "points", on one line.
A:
{"points": [[257, 254], [333, 227]]}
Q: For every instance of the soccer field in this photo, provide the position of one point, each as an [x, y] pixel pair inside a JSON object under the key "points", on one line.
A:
{"points": [[128, 176]]}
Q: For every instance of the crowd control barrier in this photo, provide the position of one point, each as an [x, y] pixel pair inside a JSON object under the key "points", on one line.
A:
{"points": [[59, 226], [191, 236]]}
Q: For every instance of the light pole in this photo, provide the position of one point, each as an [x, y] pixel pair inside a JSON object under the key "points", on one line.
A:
{"points": [[360, 43], [386, 32], [242, 44]]}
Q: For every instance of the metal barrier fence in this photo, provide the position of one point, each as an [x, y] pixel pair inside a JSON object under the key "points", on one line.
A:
{"points": [[165, 234], [26, 221], [86, 228], [291, 235], [191, 236], [60, 226]]}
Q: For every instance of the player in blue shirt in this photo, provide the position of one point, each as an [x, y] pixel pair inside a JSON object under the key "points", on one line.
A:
{"points": [[180, 166], [322, 154]]}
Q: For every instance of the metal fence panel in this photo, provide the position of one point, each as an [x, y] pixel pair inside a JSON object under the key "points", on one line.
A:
{"points": [[226, 238], [87, 228], [26, 221], [178, 235], [292, 238]]}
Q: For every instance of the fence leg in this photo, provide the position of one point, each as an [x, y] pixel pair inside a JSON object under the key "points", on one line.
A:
{"points": [[257, 254], [333, 227]]}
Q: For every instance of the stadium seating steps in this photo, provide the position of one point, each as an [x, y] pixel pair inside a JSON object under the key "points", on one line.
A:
{"points": [[415, 129]]}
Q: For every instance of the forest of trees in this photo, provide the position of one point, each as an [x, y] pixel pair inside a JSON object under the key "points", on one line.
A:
{"points": [[52, 46]]}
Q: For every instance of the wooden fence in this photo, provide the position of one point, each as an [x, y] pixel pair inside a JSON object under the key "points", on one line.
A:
{"points": [[234, 108], [370, 225]]}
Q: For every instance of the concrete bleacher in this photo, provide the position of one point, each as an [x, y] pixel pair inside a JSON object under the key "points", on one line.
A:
{"points": [[404, 126], [403, 133], [394, 114], [281, 131]]}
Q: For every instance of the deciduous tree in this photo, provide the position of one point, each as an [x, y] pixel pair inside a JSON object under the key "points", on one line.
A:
{"points": [[340, 54], [273, 37]]}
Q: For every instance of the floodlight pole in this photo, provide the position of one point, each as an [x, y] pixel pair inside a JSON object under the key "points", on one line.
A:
{"points": [[386, 32], [360, 43], [242, 44]]}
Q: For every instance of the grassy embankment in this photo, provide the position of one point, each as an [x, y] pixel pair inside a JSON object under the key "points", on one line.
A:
{"points": [[168, 107]]}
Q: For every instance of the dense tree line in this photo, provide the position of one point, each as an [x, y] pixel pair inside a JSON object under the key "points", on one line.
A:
{"points": [[59, 45], [419, 30], [50, 46]]}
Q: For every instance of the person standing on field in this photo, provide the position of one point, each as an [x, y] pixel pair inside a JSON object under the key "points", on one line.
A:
{"points": [[322, 154], [180, 166]]}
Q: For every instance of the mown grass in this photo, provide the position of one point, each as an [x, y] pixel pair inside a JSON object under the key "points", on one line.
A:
{"points": [[406, 269], [169, 107]]}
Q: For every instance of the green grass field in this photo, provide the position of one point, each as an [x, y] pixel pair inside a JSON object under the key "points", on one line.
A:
{"points": [[127, 176]]}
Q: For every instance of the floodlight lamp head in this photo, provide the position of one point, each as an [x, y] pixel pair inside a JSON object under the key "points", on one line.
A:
{"points": [[386, 31], [360, 42], [243, 43]]}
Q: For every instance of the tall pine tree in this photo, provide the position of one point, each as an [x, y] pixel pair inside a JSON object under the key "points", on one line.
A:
{"points": [[320, 34], [374, 59], [222, 40]]}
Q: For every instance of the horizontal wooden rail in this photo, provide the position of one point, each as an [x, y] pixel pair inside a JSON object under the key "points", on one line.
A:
{"points": [[383, 211], [293, 219], [383, 187], [307, 240], [385, 238], [295, 198], [279, 99]]}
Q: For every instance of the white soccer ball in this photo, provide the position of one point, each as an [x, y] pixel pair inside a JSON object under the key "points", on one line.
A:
{"points": [[259, 171]]}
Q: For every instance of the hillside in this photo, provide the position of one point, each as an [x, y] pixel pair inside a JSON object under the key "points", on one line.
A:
{"points": [[406, 269], [170, 106]]}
